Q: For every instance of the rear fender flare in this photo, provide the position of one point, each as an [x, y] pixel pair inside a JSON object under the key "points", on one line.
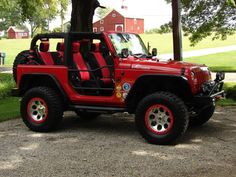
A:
{"points": [[30, 80]]}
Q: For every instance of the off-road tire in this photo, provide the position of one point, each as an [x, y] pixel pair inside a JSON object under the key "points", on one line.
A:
{"points": [[53, 109], [21, 58], [173, 106], [87, 115], [203, 117]]}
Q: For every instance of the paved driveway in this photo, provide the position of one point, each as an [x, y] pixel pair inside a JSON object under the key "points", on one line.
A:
{"points": [[112, 147]]}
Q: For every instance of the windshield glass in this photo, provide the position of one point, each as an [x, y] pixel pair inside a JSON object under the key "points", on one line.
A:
{"points": [[132, 42]]}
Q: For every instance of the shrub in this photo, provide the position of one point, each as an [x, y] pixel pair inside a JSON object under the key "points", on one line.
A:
{"points": [[231, 92], [6, 84]]}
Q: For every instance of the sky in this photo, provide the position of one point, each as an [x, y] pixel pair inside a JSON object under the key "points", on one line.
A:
{"points": [[154, 12]]}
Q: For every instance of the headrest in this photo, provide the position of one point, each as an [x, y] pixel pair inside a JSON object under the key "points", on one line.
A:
{"points": [[44, 47], [60, 47], [95, 47], [75, 47]]}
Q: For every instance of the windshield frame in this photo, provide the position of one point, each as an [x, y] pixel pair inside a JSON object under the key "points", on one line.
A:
{"points": [[141, 44]]}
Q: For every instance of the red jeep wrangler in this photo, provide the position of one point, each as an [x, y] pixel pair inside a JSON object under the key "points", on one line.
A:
{"points": [[94, 73]]}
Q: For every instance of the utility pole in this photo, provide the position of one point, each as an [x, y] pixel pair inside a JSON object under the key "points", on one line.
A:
{"points": [[177, 34]]}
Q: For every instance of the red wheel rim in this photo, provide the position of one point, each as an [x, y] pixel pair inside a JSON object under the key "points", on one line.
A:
{"points": [[37, 110], [159, 119]]}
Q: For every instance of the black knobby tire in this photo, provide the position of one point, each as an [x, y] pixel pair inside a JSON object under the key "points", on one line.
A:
{"points": [[44, 103], [203, 117], [161, 118], [87, 115], [21, 58]]}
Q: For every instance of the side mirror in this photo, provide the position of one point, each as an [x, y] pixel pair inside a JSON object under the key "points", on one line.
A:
{"points": [[124, 53], [154, 52]]}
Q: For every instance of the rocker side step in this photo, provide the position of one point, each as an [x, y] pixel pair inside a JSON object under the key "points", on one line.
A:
{"points": [[97, 109]]}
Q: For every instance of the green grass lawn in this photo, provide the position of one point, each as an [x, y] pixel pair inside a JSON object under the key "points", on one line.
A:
{"points": [[9, 108], [6, 84], [230, 89], [14, 46], [226, 102], [217, 62], [162, 42]]}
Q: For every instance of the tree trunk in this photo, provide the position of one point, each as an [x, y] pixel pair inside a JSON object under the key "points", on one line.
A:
{"points": [[177, 31], [82, 15]]}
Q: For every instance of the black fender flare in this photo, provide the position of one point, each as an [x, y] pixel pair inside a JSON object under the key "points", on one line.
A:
{"points": [[27, 82], [142, 87]]}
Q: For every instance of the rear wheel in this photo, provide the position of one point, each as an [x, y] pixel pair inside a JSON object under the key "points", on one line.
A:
{"points": [[203, 117], [161, 118], [41, 109]]}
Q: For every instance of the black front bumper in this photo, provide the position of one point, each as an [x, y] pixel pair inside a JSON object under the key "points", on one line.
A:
{"points": [[211, 92]]}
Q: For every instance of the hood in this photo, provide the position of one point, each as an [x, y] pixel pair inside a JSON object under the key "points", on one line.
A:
{"points": [[156, 65]]}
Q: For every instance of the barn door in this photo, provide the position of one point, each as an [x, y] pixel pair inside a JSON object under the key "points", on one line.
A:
{"points": [[119, 27]]}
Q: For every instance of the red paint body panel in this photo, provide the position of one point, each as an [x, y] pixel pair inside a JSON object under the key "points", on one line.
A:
{"points": [[61, 74], [137, 67]]}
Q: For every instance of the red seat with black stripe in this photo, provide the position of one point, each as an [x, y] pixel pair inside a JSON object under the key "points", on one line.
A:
{"points": [[60, 50], [106, 75], [45, 54], [79, 62]]}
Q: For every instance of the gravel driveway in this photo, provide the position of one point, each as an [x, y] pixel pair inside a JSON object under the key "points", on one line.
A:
{"points": [[112, 147]]}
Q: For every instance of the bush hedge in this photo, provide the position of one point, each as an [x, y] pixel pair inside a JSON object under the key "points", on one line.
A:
{"points": [[6, 84]]}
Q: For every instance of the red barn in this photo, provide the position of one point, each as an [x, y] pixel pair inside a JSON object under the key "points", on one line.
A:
{"points": [[14, 33], [114, 21]]}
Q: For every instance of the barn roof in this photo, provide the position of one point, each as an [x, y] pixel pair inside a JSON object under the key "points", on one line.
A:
{"points": [[16, 29], [124, 13]]}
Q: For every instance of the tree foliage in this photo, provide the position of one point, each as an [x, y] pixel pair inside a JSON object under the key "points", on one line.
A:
{"points": [[201, 18], [102, 12], [57, 30], [166, 28], [37, 13], [9, 13], [63, 8]]}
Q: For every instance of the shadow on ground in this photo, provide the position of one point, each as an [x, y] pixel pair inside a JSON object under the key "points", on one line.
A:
{"points": [[111, 146]]}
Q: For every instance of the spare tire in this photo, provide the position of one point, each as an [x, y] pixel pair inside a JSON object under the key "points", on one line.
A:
{"points": [[21, 58]]}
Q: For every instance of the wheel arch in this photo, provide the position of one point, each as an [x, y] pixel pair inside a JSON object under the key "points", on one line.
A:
{"points": [[29, 81], [143, 86]]}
